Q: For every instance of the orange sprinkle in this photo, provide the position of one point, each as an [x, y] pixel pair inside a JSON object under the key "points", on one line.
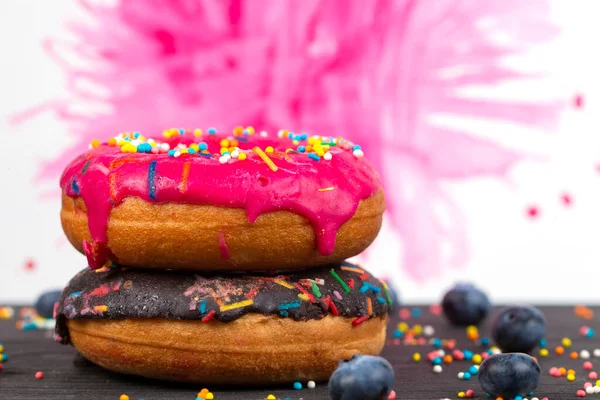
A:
{"points": [[448, 359], [574, 355], [369, 306], [562, 371], [570, 372], [100, 308], [357, 270], [326, 189], [112, 183], [112, 141], [183, 185], [95, 143], [238, 130], [584, 312], [265, 158], [559, 350]]}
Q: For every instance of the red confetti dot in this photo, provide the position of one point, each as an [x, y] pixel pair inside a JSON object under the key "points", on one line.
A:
{"points": [[39, 375], [30, 265], [578, 101], [566, 199], [533, 212]]}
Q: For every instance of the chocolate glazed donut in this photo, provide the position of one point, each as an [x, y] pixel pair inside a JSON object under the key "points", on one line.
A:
{"points": [[243, 329]]}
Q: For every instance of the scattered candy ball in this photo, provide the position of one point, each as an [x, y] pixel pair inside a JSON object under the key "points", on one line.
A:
{"points": [[44, 305], [508, 374], [596, 352], [437, 369], [465, 304], [297, 385], [584, 354], [311, 384], [124, 397], [39, 375], [362, 377], [519, 328]]}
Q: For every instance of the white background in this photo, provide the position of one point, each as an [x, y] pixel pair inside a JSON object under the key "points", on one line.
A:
{"points": [[555, 258]]}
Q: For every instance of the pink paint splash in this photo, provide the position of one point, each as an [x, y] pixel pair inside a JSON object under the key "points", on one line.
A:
{"points": [[375, 72]]}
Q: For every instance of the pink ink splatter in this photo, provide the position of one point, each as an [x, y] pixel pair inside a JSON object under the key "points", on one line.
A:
{"points": [[533, 212], [375, 72], [578, 101], [567, 199], [30, 265]]}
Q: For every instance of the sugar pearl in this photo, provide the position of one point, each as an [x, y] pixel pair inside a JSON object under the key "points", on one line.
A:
{"points": [[441, 353], [461, 375], [584, 354], [358, 153], [311, 384], [428, 330], [235, 154], [327, 156], [589, 390], [596, 389], [437, 369]]}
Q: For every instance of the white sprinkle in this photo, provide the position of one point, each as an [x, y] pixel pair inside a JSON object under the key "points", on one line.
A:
{"points": [[596, 352], [222, 160], [589, 390], [534, 398], [496, 351], [584, 354], [165, 146], [311, 384], [441, 353], [227, 156], [263, 134], [437, 369], [327, 156], [461, 375], [177, 154], [428, 330], [358, 153], [596, 389], [235, 154]]}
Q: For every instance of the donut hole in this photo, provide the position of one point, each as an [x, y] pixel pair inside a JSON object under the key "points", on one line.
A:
{"points": [[263, 181]]}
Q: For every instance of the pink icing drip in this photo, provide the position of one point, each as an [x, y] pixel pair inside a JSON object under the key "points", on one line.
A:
{"points": [[249, 184]]}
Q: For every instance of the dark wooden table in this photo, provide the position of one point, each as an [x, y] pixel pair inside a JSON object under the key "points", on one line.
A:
{"points": [[69, 376]]}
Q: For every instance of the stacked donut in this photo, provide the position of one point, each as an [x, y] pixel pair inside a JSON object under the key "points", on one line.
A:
{"points": [[219, 257]]}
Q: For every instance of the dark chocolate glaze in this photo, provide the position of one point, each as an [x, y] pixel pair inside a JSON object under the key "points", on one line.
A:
{"points": [[302, 295]]}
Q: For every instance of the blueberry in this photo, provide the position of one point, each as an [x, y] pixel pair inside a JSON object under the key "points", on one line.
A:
{"points": [[519, 328], [509, 375], [465, 304], [362, 378], [44, 305]]}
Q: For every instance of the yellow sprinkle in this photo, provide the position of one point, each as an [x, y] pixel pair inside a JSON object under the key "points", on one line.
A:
{"points": [[461, 394], [250, 130], [544, 352], [238, 130], [242, 156], [477, 359], [1, 348], [566, 342], [417, 329], [194, 146], [570, 377], [224, 150], [283, 283], [95, 143], [184, 151], [416, 357], [303, 296], [123, 397], [265, 158], [224, 143], [269, 149], [296, 142], [357, 270], [101, 308], [271, 397], [198, 132], [598, 382], [326, 189], [402, 326], [239, 304], [209, 396]]}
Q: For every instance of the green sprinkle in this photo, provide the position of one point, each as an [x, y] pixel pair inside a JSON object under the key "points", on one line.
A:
{"points": [[315, 289], [387, 293], [340, 280], [327, 143]]}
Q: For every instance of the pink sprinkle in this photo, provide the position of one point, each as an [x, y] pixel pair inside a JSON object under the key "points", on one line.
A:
{"points": [[553, 371], [337, 295], [470, 393], [593, 375], [544, 398], [584, 330], [566, 199], [435, 309], [450, 345], [421, 341], [392, 395], [586, 385], [587, 365], [484, 356], [39, 375], [533, 212], [432, 355], [404, 313], [396, 342], [581, 393]]}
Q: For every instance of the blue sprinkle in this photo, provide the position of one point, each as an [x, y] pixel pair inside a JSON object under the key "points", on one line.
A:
{"points": [[437, 343], [75, 294], [468, 354], [297, 385], [191, 151], [75, 186], [283, 313], [356, 147], [488, 395], [416, 312], [314, 156], [203, 307], [436, 361], [543, 342], [466, 376], [518, 398], [398, 334], [207, 155], [202, 146], [290, 135], [181, 131], [590, 333], [151, 178], [303, 136], [136, 135], [4, 356], [291, 304], [381, 300], [473, 370], [531, 393], [144, 148], [364, 288], [485, 341], [489, 351], [301, 149], [211, 131], [171, 153]]}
